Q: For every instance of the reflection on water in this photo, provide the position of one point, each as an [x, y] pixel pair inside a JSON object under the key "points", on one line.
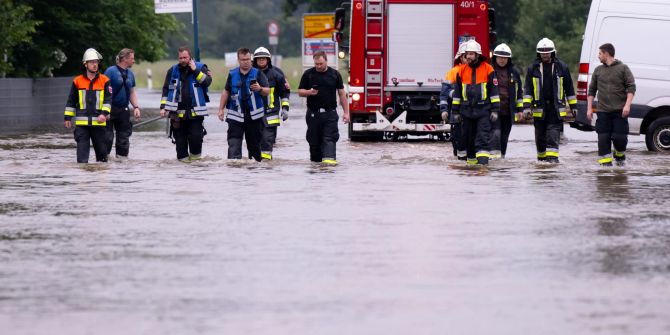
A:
{"points": [[399, 238]]}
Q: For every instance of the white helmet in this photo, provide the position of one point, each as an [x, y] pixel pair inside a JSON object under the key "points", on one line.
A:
{"points": [[545, 46], [473, 46], [91, 54], [461, 51], [262, 52], [502, 50]]}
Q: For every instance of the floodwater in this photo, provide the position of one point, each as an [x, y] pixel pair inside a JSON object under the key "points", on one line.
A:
{"points": [[399, 238]]}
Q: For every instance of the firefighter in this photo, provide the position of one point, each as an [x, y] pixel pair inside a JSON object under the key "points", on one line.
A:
{"points": [[277, 101], [122, 80], [476, 103], [615, 85], [185, 100], [89, 103], [243, 106], [321, 85], [510, 88], [446, 94], [548, 85]]}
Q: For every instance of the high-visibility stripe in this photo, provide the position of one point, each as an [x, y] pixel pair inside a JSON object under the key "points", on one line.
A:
{"points": [[471, 161], [560, 88], [483, 154], [604, 159], [444, 102], [271, 99], [329, 161], [541, 155], [285, 102], [562, 113], [572, 100], [456, 101], [519, 102], [265, 155], [619, 154], [551, 153], [527, 99], [201, 77], [495, 99], [100, 95], [538, 112], [485, 93], [69, 113], [82, 101], [464, 93], [536, 88], [273, 121]]}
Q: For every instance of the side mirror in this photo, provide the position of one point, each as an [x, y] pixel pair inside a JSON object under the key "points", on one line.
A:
{"points": [[337, 37], [339, 19]]}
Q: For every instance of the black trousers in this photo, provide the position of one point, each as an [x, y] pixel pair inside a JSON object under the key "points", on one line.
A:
{"points": [[84, 135], [476, 132], [612, 128], [268, 138], [188, 136], [322, 134], [457, 139], [500, 130], [250, 130], [119, 122], [548, 132]]}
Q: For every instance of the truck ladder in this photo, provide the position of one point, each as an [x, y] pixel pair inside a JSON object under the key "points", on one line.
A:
{"points": [[374, 47]]}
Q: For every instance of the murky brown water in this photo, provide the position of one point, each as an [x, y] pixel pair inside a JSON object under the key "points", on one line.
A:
{"points": [[397, 239]]}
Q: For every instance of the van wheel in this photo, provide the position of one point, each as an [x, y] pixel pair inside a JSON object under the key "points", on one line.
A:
{"points": [[658, 135]]}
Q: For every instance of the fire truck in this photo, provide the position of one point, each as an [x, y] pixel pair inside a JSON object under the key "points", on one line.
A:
{"points": [[399, 52]]}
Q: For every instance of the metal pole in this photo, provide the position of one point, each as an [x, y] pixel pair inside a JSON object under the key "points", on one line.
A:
{"points": [[196, 46]]}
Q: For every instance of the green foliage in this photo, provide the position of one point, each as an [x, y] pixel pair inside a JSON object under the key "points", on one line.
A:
{"points": [[69, 27], [17, 27]]}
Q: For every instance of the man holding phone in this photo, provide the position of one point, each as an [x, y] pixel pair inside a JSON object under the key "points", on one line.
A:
{"points": [[322, 85], [185, 99], [243, 106]]}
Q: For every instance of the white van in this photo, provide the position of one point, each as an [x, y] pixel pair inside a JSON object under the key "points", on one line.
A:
{"points": [[638, 29]]}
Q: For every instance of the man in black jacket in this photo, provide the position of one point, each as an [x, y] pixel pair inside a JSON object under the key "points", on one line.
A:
{"points": [[510, 89]]}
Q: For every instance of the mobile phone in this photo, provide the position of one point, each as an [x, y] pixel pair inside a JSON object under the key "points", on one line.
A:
{"points": [[316, 87], [254, 81]]}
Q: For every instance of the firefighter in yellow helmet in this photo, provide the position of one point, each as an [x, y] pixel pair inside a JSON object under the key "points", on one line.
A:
{"points": [[547, 89], [88, 107]]}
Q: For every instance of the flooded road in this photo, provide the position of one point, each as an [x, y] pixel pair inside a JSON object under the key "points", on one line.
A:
{"points": [[399, 238]]}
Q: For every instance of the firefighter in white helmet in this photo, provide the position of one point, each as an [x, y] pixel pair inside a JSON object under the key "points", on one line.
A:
{"points": [[88, 107], [510, 89], [278, 100], [476, 103], [446, 95], [547, 89]]}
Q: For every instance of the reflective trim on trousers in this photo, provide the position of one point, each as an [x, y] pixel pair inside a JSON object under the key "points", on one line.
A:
{"points": [[266, 155], [619, 154], [471, 161], [538, 112], [482, 154], [552, 152], [541, 155], [604, 159], [461, 154], [330, 161]]}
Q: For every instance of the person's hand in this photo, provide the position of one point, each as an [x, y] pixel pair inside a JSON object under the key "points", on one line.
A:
{"points": [[494, 116], [345, 117], [102, 118], [519, 116], [222, 114], [284, 114], [313, 91], [138, 113], [527, 114], [574, 112], [445, 116], [589, 114], [458, 118], [191, 64], [626, 111], [255, 87], [287, 85], [163, 112], [68, 124]]}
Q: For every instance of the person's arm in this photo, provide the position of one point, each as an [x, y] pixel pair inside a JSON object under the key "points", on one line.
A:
{"points": [[305, 89], [262, 85], [283, 92], [593, 89], [344, 102], [166, 85], [630, 91], [136, 105], [225, 94], [106, 102], [569, 88], [203, 76], [494, 96], [70, 106], [528, 89]]}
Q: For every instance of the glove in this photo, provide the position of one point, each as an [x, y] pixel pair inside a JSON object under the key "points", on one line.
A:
{"points": [[284, 114], [445, 116], [574, 113], [494, 116], [527, 114], [458, 118]]}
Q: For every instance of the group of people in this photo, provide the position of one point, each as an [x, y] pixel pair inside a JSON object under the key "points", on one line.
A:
{"points": [[254, 102], [482, 100]]}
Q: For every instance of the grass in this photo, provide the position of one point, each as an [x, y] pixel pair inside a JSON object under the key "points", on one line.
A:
{"points": [[291, 66]]}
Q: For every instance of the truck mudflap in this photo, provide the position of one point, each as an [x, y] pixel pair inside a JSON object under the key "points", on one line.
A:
{"points": [[400, 125]]}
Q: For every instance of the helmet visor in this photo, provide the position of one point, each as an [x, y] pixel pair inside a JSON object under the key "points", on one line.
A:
{"points": [[545, 50]]}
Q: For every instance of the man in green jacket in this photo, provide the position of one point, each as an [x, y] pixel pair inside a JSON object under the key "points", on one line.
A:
{"points": [[615, 85]]}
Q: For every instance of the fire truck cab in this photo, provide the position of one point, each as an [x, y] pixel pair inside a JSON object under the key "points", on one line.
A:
{"points": [[399, 53]]}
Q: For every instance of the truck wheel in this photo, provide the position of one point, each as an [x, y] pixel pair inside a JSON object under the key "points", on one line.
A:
{"points": [[658, 135]]}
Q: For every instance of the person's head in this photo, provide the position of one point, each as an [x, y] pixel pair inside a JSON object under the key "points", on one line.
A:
{"points": [[244, 58], [546, 50], [471, 57], [91, 60], [184, 55], [460, 56], [502, 55], [473, 51], [125, 58], [320, 61], [262, 58], [606, 53]]}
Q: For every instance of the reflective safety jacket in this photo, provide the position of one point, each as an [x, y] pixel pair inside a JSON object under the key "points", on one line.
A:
{"points": [[475, 95], [563, 89], [447, 91], [278, 96], [89, 99], [256, 103], [196, 85], [515, 88]]}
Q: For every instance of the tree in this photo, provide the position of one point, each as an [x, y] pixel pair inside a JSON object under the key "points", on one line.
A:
{"points": [[69, 27], [17, 27]]}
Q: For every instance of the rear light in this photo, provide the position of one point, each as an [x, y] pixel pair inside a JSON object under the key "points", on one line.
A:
{"points": [[389, 111], [356, 97], [583, 81]]}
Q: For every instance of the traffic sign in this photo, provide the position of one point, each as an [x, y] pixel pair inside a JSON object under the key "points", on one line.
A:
{"points": [[273, 28], [173, 6]]}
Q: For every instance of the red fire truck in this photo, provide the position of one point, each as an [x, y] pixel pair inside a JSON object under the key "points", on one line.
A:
{"points": [[399, 52]]}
